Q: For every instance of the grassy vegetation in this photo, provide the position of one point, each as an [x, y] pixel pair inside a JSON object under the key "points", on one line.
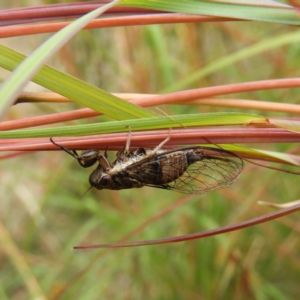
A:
{"points": [[44, 211]]}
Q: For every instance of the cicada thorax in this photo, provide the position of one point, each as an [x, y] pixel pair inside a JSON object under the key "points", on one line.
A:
{"points": [[124, 156]]}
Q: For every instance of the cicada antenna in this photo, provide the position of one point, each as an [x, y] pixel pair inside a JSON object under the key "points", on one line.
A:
{"points": [[87, 190]]}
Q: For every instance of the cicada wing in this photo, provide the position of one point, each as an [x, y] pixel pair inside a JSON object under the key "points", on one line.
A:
{"points": [[207, 175], [171, 171]]}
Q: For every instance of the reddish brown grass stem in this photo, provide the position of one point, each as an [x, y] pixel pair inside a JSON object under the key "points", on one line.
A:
{"points": [[150, 139], [154, 100], [199, 235], [141, 19]]}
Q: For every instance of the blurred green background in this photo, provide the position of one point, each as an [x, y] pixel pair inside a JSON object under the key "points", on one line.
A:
{"points": [[44, 212]]}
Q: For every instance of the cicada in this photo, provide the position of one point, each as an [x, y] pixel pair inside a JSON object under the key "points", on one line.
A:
{"points": [[187, 170]]}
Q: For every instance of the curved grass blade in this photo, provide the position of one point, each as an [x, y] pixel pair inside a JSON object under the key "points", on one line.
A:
{"points": [[25, 70], [140, 124], [268, 11], [223, 62], [76, 89], [261, 154], [291, 125], [199, 235]]}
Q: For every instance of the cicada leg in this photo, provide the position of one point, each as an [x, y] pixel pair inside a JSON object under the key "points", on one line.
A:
{"points": [[86, 159], [127, 146], [154, 151], [124, 152]]}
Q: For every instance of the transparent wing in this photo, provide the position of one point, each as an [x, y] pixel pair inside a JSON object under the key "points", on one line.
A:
{"points": [[206, 175], [216, 169]]}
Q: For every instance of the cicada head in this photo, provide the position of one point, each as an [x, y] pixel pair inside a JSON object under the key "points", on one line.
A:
{"points": [[100, 179]]}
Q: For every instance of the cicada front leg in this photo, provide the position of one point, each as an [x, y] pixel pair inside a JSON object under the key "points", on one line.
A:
{"points": [[86, 159]]}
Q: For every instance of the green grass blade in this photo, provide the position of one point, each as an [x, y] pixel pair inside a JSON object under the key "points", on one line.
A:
{"points": [[26, 68], [228, 60], [291, 125], [76, 89], [268, 11], [261, 154], [15, 83], [209, 119]]}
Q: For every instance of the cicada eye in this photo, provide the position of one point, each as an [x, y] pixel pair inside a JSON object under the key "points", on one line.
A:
{"points": [[105, 181], [95, 177]]}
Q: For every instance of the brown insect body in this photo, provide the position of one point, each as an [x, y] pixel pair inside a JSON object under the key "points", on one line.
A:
{"points": [[161, 168], [187, 170]]}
